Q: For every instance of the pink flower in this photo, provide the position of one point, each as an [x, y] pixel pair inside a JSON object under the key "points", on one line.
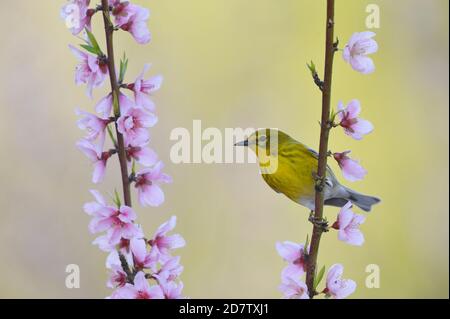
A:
{"points": [[358, 47], [122, 225], [348, 225], [294, 289], [118, 223], [117, 277], [77, 15], [141, 258], [97, 157], [143, 155], [353, 126], [163, 243], [147, 180], [133, 124], [170, 270], [91, 70], [105, 217], [132, 18], [104, 106], [144, 88], [351, 169], [94, 126], [92, 208], [171, 289], [103, 244], [294, 254], [337, 287], [140, 290]]}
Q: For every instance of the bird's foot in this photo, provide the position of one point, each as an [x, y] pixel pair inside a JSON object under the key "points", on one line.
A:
{"points": [[321, 223]]}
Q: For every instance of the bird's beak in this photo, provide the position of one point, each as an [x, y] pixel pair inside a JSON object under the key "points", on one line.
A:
{"points": [[242, 143]]}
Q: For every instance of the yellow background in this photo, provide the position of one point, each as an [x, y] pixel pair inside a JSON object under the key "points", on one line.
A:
{"points": [[231, 63]]}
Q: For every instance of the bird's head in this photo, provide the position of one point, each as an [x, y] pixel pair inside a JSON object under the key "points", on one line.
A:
{"points": [[265, 141]]}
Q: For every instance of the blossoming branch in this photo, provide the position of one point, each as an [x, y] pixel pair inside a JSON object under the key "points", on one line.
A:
{"points": [[302, 258], [140, 267]]}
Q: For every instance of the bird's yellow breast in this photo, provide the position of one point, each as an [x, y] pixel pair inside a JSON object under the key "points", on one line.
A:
{"points": [[294, 176]]}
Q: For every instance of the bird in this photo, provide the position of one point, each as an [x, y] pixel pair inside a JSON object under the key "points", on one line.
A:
{"points": [[289, 167]]}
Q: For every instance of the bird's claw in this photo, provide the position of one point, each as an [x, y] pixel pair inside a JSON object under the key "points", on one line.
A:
{"points": [[320, 223]]}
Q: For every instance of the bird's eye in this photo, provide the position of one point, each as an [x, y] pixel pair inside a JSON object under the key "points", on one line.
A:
{"points": [[262, 139]]}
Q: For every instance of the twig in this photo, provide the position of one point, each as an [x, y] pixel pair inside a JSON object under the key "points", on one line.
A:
{"points": [[126, 268], [323, 150], [109, 30], [315, 76]]}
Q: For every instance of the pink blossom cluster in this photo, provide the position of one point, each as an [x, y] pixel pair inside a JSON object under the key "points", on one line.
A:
{"points": [[135, 119], [294, 254], [132, 18], [127, 16], [356, 128], [292, 285], [355, 53], [347, 223], [140, 268], [77, 15], [147, 259], [150, 259]]}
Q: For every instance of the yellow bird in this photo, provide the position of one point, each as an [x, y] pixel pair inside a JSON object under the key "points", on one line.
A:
{"points": [[289, 167]]}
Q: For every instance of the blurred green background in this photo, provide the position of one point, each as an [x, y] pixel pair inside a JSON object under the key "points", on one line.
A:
{"points": [[230, 63]]}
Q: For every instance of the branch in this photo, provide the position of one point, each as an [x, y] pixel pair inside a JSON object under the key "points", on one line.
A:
{"points": [[323, 150], [126, 268], [109, 30]]}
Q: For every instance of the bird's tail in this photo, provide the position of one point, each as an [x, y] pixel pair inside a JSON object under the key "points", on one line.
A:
{"points": [[364, 202]]}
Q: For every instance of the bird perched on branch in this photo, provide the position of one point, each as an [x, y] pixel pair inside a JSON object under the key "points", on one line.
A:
{"points": [[289, 167]]}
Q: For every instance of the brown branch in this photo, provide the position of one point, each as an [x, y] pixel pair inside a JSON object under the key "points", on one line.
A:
{"points": [[109, 31], [126, 268], [323, 150]]}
